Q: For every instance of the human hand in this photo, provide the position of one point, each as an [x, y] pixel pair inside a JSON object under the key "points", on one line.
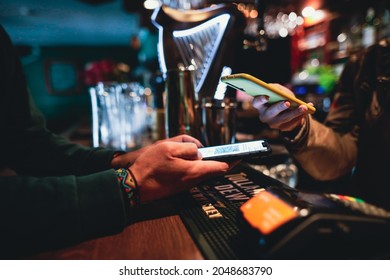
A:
{"points": [[184, 138], [169, 167], [279, 115], [125, 159]]}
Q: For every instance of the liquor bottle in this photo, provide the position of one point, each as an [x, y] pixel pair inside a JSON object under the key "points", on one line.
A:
{"points": [[355, 35], [384, 31], [369, 28]]}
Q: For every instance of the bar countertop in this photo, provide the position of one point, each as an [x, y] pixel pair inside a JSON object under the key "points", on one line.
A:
{"points": [[157, 234]]}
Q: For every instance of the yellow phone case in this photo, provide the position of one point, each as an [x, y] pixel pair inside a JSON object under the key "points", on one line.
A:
{"points": [[255, 87]]}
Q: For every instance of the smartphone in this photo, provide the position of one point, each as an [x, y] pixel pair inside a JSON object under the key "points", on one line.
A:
{"points": [[236, 151], [255, 87]]}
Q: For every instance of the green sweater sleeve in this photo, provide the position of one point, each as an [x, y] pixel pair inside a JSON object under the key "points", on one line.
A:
{"points": [[47, 213]]}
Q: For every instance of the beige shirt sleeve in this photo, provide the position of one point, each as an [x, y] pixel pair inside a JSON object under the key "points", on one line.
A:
{"points": [[322, 152]]}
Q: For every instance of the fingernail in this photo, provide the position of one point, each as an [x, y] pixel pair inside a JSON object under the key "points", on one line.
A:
{"points": [[261, 99], [265, 98]]}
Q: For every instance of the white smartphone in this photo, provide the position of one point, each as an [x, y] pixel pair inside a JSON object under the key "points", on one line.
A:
{"points": [[236, 151], [255, 87]]}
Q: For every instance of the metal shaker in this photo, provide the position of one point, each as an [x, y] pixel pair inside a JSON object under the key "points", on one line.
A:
{"points": [[218, 121]]}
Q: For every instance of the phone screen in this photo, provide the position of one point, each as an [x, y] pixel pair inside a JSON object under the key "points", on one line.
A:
{"points": [[251, 149]]}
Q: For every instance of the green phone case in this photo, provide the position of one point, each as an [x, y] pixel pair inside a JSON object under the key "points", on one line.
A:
{"points": [[255, 87]]}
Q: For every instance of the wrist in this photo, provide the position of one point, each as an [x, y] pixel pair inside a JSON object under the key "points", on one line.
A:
{"points": [[292, 133], [129, 186], [296, 132]]}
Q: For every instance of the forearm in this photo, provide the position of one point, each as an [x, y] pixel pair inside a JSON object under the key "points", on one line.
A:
{"points": [[322, 152], [38, 152]]}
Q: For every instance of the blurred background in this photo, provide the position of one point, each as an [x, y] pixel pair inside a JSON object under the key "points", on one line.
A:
{"points": [[66, 47], [307, 43], [77, 43]]}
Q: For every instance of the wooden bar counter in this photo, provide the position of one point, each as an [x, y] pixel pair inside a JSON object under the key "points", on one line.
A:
{"points": [[156, 234]]}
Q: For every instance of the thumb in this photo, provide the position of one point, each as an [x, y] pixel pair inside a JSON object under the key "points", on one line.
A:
{"points": [[260, 100], [186, 150]]}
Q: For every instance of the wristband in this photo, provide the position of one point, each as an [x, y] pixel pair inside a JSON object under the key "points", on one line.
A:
{"points": [[129, 185]]}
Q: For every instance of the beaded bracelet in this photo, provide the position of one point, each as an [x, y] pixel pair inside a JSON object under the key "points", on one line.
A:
{"points": [[129, 184]]}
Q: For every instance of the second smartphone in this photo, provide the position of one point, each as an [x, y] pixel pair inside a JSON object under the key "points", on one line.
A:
{"points": [[255, 87]]}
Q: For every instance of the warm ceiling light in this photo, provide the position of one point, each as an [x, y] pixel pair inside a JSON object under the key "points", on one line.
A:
{"points": [[152, 4], [308, 11], [292, 16]]}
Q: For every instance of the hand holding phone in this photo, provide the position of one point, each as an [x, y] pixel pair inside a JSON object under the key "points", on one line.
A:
{"points": [[237, 151], [255, 87]]}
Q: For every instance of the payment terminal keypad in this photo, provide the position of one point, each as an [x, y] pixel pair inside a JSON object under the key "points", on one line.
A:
{"points": [[360, 205]]}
